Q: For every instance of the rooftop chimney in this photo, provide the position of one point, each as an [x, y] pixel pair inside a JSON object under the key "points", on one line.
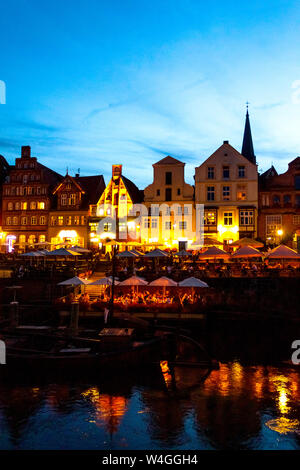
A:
{"points": [[225, 141], [25, 151]]}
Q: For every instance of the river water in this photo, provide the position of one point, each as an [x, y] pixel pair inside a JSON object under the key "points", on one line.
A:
{"points": [[235, 407], [247, 404]]}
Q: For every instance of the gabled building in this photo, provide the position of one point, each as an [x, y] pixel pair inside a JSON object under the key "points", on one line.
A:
{"points": [[69, 215], [26, 202], [227, 184], [279, 206], [170, 206], [112, 217]]}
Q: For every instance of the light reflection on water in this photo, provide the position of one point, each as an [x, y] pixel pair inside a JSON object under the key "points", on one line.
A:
{"points": [[237, 407]]}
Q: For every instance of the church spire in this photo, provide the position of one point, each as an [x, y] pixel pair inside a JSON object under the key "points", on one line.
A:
{"points": [[247, 148]]}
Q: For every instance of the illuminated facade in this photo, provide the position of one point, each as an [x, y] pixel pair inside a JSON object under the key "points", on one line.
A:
{"points": [[227, 184], [169, 200], [113, 217], [26, 201], [279, 206], [68, 218]]}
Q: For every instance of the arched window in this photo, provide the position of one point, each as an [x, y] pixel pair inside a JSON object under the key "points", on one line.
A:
{"points": [[10, 206], [17, 206], [33, 205], [42, 220]]}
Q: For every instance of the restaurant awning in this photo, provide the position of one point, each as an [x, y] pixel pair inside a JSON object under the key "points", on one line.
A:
{"points": [[283, 252], [192, 282], [74, 281], [34, 254], [247, 242], [63, 252], [133, 281], [163, 282], [79, 249], [182, 253], [156, 254], [104, 281], [127, 254], [213, 252], [247, 252]]}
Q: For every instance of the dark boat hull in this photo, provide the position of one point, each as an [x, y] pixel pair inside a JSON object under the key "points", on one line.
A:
{"points": [[81, 363]]}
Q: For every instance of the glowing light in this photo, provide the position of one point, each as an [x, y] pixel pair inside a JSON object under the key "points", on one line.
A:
{"points": [[67, 234], [280, 232]]}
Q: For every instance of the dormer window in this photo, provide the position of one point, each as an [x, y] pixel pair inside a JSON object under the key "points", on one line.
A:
{"points": [[68, 186]]}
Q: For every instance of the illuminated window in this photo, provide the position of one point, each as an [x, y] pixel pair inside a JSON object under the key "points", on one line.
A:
{"points": [[53, 220], [33, 220], [153, 223], [23, 220], [83, 220], [8, 220], [41, 205], [228, 218], [17, 206], [210, 218], [296, 219], [241, 193], [22, 240], [63, 199], [33, 205], [60, 220], [15, 220], [72, 200], [76, 220], [246, 217], [42, 238], [69, 220], [10, 206]]}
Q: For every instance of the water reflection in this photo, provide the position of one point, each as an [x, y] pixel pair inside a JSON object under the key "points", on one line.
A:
{"points": [[235, 407]]}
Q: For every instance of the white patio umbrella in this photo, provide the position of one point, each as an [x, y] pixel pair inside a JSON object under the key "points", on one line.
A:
{"points": [[79, 249], [127, 254], [283, 252], [74, 281], [156, 254], [104, 281], [133, 281], [163, 282], [192, 282], [33, 254], [63, 252], [182, 253]]}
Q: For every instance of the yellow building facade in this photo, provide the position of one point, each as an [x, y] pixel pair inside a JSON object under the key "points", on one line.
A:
{"points": [[227, 185], [170, 210]]}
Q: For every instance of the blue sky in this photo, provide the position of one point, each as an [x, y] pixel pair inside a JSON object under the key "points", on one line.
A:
{"points": [[96, 82]]}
